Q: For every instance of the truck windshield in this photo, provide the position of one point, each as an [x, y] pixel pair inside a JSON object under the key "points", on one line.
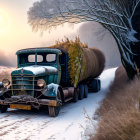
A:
{"points": [[37, 59]]}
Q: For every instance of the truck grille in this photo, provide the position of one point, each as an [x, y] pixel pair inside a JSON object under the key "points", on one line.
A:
{"points": [[23, 83]]}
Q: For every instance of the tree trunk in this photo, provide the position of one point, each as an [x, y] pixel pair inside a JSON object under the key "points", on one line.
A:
{"points": [[136, 46]]}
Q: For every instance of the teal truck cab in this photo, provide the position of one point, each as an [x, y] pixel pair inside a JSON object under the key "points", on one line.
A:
{"points": [[42, 79]]}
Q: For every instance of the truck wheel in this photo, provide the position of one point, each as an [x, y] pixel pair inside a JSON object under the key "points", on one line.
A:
{"points": [[3, 108], [85, 91], [81, 94], [99, 85], [75, 97], [96, 85], [54, 111]]}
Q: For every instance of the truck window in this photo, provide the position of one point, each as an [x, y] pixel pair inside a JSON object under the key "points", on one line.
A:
{"points": [[39, 58], [31, 58], [51, 58], [44, 58]]}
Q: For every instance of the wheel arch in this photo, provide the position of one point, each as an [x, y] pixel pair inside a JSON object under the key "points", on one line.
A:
{"points": [[61, 93]]}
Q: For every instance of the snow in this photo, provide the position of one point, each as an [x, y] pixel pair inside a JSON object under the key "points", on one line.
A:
{"points": [[39, 69], [131, 36], [69, 125], [53, 86]]}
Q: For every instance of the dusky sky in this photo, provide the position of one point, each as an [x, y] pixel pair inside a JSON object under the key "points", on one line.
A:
{"points": [[15, 33]]}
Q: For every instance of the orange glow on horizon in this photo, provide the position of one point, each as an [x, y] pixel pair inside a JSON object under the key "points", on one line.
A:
{"points": [[4, 22], [15, 33]]}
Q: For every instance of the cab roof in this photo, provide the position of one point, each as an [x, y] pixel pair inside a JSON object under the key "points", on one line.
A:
{"points": [[34, 50]]}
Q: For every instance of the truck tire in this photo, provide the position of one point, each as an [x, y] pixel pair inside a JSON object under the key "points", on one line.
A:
{"points": [[81, 93], [96, 85], [54, 110], [3, 108], [75, 97], [99, 85], [85, 91], [98, 82]]}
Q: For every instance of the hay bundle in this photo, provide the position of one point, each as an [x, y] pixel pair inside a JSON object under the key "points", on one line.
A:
{"points": [[83, 62]]}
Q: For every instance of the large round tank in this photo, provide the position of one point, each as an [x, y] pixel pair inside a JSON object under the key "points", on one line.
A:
{"points": [[83, 62], [94, 61]]}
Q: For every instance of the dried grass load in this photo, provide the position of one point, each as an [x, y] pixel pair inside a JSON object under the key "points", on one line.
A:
{"points": [[84, 62]]}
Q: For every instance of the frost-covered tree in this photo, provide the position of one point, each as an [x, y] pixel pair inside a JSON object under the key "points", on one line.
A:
{"points": [[114, 15]]}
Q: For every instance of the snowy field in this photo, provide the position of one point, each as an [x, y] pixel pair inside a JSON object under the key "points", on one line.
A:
{"points": [[69, 125]]}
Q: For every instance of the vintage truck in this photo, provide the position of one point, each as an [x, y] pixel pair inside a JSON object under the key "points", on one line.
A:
{"points": [[42, 79]]}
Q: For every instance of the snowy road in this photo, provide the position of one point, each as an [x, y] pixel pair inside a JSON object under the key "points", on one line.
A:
{"points": [[29, 125]]}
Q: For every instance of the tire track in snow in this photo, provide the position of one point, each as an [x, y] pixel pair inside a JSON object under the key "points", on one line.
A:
{"points": [[3, 117], [55, 136], [11, 126], [28, 127], [38, 128], [70, 125]]}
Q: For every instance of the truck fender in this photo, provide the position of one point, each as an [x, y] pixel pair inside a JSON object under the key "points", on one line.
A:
{"points": [[52, 90], [53, 87], [62, 94]]}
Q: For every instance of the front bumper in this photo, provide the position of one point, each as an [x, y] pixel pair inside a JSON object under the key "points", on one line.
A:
{"points": [[28, 100]]}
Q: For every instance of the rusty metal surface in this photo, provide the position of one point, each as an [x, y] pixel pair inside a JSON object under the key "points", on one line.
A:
{"points": [[28, 100], [68, 92], [20, 106], [71, 91], [53, 103]]}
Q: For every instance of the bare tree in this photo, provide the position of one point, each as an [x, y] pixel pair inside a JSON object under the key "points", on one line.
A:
{"points": [[114, 15]]}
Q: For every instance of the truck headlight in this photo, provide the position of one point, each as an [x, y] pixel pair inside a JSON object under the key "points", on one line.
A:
{"points": [[41, 83], [5, 82]]}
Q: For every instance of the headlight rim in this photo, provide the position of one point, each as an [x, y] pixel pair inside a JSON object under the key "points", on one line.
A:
{"points": [[43, 84], [4, 83]]}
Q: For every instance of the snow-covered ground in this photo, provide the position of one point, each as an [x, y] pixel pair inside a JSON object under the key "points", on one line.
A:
{"points": [[69, 125]]}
